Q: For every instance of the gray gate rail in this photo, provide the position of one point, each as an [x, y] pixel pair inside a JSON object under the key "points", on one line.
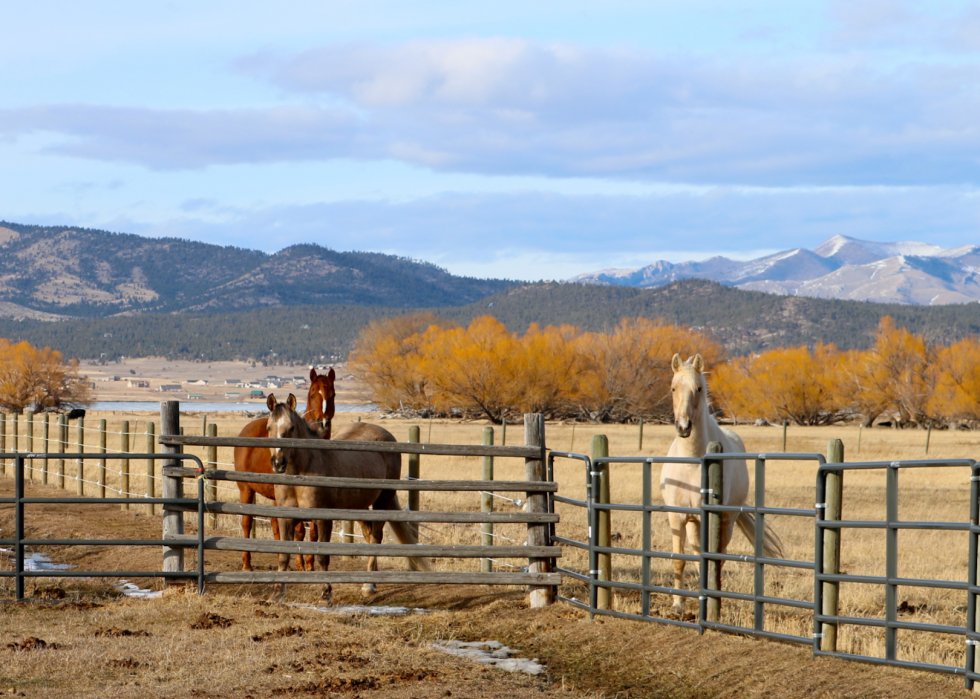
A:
{"points": [[20, 542]]}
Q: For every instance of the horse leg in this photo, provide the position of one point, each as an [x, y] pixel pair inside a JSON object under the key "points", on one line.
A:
{"points": [[323, 530], [287, 527], [373, 534], [247, 497], [300, 535], [676, 521], [313, 537]]}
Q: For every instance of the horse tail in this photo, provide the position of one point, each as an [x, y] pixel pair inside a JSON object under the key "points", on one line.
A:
{"points": [[407, 533], [772, 545]]}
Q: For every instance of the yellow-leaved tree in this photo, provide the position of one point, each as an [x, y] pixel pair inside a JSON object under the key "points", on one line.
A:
{"points": [[39, 379]]}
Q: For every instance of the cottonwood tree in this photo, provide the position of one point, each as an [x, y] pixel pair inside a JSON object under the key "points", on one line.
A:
{"points": [[39, 379]]}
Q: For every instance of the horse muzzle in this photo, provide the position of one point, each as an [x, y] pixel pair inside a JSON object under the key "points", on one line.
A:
{"points": [[683, 431], [278, 463]]}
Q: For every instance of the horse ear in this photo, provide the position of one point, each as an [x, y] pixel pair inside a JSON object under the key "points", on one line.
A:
{"points": [[698, 363], [676, 362], [331, 374], [270, 402], [291, 402], [313, 374]]}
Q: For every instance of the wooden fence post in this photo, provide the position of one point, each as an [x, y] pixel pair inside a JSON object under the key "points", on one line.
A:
{"points": [[486, 500], [151, 447], [503, 431], [173, 519], [600, 449], [80, 444], [16, 432], [30, 438], [62, 443], [212, 486], [537, 534], [928, 437], [831, 544], [101, 479], [124, 464], [714, 497], [785, 425], [47, 448], [639, 445], [3, 442], [414, 434]]}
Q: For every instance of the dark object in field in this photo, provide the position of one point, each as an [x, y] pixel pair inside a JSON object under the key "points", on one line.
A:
{"points": [[280, 633], [210, 620], [76, 413], [33, 643], [114, 632]]}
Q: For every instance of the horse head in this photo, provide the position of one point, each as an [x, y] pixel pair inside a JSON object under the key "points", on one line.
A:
{"points": [[282, 424], [687, 392], [320, 402]]}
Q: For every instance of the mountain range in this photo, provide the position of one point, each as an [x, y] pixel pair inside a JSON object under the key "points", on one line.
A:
{"points": [[840, 268], [56, 272]]}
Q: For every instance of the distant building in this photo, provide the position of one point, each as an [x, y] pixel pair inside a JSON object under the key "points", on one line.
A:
{"points": [[256, 394], [195, 396], [171, 388], [199, 382], [232, 394], [233, 382], [137, 383]]}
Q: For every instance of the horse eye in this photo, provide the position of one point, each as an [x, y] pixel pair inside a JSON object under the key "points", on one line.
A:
{"points": [[699, 389]]}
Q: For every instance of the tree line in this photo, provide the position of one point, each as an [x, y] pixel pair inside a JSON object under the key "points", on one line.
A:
{"points": [[426, 363]]}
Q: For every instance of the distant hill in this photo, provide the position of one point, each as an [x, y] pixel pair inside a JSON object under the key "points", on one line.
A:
{"points": [[839, 268], [744, 321], [52, 271]]}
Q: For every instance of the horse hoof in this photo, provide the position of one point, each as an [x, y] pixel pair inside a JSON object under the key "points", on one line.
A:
{"points": [[367, 590], [327, 595]]}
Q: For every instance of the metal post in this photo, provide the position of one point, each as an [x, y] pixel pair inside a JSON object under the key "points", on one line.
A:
{"points": [[486, 500], [173, 487], [891, 561], [714, 497], [537, 534], [413, 467], [3, 443], [102, 433], [928, 437], [571, 444], [19, 527], [62, 443], [47, 448], [830, 591], [80, 446], [124, 464], [972, 620], [759, 569], [600, 450], [211, 491], [647, 537], [151, 447]]}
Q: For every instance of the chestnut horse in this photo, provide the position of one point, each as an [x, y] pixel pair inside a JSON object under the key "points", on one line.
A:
{"points": [[319, 414], [285, 423]]}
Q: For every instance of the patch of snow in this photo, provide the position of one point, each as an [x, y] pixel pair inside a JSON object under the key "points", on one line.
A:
{"points": [[352, 609], [41, 561], [133, 590], [493, 653]]}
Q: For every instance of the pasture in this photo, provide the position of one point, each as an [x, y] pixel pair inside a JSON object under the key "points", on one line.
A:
{"points": [[554, 634]]}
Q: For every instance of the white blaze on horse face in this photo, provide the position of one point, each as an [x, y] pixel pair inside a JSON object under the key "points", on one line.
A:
{"points": [[323, 406], [277, 429], [686, 393]]}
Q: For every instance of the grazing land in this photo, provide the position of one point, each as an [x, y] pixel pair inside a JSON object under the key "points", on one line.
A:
{"points": [[393, 659]]}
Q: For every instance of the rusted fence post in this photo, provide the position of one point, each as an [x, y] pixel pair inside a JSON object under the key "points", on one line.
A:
{"points": [[486, 500], [831, 544], [151, 447], [124, 464], [101, 478], [537, 534], [62, 443], [714, 497], [211, 488], [600, 449], [173, 519], [80, 447]]}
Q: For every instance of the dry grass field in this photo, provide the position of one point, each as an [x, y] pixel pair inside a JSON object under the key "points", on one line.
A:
{"points": [[938, 493]]}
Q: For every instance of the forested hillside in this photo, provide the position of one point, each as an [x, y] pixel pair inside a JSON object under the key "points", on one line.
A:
{"points": [[742, 321]]}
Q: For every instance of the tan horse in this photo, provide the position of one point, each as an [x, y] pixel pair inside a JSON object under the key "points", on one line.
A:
{"points": [[285, 423], [680, 484]]}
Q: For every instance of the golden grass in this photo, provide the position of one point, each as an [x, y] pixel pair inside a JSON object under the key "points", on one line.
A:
{"points": [[935, 493]]}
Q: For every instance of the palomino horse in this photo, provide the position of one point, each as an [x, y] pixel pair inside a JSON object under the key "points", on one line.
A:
{"points": [[285, 423], [319, 413], [680, 484]]}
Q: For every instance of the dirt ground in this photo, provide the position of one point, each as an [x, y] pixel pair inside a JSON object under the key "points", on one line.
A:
{"points": [[232, 642]]}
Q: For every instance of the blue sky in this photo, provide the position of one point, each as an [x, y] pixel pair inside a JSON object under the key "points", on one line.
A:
{"points": [[523, 140]]}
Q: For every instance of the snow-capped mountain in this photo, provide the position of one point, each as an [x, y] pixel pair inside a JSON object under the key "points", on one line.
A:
{"points": [[840, 268]]}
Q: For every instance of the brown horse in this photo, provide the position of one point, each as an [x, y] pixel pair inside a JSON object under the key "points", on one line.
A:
{"points": [[285, 423], [319, 413]]}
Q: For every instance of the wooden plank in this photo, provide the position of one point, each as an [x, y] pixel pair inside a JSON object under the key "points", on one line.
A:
{"points": [[351, 445], [537, 504], [307, 514], [384, 577], [377, 483], [227, 543]]}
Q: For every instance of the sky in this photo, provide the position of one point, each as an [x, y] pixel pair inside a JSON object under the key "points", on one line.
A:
{"points": [[508, 139]]}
